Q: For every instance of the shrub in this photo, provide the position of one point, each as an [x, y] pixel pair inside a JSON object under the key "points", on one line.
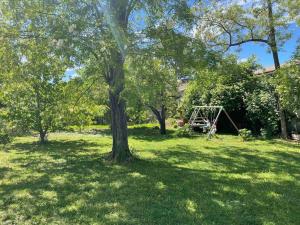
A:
{"points": [[184, 131], [171, 122], [245, 134], [265, 133]]}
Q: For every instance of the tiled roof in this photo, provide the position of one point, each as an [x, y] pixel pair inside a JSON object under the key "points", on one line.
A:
{"points": [[271, 69]]}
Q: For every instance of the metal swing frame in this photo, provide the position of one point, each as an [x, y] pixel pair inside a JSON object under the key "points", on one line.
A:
{"points": [[198, 119]]}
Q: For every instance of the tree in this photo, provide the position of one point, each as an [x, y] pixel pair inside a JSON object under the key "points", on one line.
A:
{"points": [[34, 90], [81, 30], [263, 21], [287, 82], [296, 54], [294, 9], [156, 86], [107, 32], [103, 32], [34, 73], [170, 55]]}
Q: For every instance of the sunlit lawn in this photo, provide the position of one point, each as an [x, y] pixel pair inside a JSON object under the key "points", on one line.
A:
{"points": [[173, 181]]}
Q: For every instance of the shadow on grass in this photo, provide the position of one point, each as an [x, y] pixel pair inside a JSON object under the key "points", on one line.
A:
{"points": [[233, 159], [284, 143], [71, 184], [3, 171], [140, 132], [53, 146], [149, 134]]}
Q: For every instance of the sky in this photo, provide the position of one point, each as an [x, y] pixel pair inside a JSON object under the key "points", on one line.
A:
{"points": [[263, 56], [260, 51]]}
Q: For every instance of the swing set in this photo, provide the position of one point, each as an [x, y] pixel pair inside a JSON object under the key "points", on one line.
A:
{"points": [[206, 118]]}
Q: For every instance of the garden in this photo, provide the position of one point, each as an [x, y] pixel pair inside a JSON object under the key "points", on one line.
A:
{"points": [[149, 112]]}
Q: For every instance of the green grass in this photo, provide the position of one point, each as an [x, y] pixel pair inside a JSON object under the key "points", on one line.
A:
{"points": [[173, 181]]}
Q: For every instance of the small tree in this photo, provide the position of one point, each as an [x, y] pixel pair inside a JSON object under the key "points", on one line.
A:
{"points": [[156, 86], [34, 89]]}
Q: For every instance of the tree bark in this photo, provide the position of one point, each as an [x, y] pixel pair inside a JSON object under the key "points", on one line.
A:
{"points": [[43, 139], [161, 117], [162, 123], [116, 81], [274, 49], [120, 149]]}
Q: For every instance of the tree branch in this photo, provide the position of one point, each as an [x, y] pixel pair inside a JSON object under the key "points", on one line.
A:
{"points": [[248, 40], [155, 112]]}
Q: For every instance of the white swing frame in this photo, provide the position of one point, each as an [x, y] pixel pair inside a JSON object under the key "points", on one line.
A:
{"points": [[193, 122]]}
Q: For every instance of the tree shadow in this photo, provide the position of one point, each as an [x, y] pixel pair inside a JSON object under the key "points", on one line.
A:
{"points": [[234, 159], [153, 135], [149, 134], [3, 171], [55, 146], [284, 143], [68, 182]]}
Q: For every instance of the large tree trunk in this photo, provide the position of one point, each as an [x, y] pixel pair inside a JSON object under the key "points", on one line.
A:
{"points": [[161, 117], [116, 80], [120, 149], [274, 49]]}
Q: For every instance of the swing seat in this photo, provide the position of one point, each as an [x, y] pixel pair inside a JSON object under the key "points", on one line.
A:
{"points": [[201, 125]]}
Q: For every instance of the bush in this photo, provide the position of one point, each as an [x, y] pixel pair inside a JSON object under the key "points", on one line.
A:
{"points": [[184, 131], [265, 133], [171, 122], [245, 134], [5, 138]]}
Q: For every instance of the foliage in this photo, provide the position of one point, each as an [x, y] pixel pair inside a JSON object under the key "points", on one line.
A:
{"points": [[265, 133], [232, 85], [224, 84], [151, 83], [261, 106], [294, 9], [184, 131], [6, 134], [264, 21], [85, 100], [296, 53], [229, 24], [34, 91], [245, 134], [287, 83], [172, 122], [5, 138]]}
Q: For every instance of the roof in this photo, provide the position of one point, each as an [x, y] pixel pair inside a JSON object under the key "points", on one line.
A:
{"points": [[271, 69], [266, 70]]}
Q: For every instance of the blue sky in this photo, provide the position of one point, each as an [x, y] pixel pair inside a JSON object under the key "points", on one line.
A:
{"points": [[260, 51], [263, 56]]}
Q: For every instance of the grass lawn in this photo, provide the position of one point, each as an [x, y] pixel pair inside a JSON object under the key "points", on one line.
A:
{"points": [[174, 181]]}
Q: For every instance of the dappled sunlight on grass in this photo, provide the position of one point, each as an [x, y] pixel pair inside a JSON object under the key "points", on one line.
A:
{"points": [[173, 181]]}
